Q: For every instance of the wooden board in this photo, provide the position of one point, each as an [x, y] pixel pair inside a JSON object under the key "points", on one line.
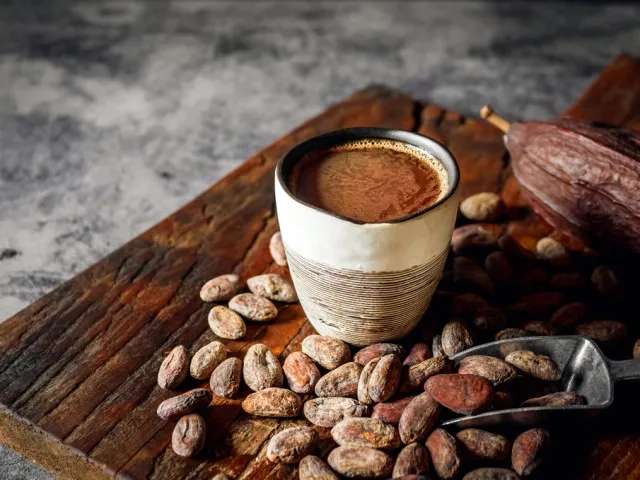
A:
{"points": [[78, 389]]}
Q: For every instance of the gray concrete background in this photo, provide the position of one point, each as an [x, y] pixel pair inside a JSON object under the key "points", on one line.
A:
{"points": [[114, 114]]}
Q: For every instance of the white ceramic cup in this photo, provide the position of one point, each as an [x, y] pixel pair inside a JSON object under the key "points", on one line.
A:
{"points": [[365, 282]]}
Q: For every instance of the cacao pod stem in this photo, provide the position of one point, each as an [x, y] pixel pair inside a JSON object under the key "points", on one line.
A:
{"points": [[490, 116]]}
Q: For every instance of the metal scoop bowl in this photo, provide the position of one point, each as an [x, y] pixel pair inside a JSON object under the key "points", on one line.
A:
{"points": [[585, 370]]}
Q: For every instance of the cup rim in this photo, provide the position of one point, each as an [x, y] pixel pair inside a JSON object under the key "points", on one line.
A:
{"points": [[345, 135]]}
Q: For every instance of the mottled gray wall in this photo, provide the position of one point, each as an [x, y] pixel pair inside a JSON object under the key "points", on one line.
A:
{"points": [[114, 114]]}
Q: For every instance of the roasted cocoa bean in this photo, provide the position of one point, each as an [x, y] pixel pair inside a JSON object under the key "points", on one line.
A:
{"points": [[226, 378], [482, 445], [636, 349], [418, 418], [541, 304], [490, 319], [276, 248], [302, 374], [327, 352], [175, 407], [313, 468], [567, 280], [445, 455], [385, 378], [377, 350], [174, 368], [253, 307], [328, 411], [456, 337], [465, 394], [468, 303], [509, 333], [274, 287], [341, 382], [221, 288], [206, 359], [605, 280], [414, 377], [603, 331], [412, 459], [499, 268], [569, 315], [515, 251], [273, 402], [472, 239], [189, 435], [391, 412], [529, 450], [226, 323], [491, 368], [419, 353], [363, 381], [491, 474], [558, 399], [292, 445], [261, 368], [538, 327], [436, 346], [221, 476], [366, 432], [360, 462], [531, 279], [468, 276], [502, 401], [552, 251], [538, 366], [482, 207]]}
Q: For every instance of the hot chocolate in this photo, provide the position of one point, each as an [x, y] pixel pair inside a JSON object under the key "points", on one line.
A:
{"points": [[369, 181]]}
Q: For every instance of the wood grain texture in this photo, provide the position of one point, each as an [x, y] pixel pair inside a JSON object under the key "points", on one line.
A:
{"points": [[78, 368]]}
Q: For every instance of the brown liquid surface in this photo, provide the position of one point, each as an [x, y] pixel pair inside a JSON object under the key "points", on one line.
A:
{"points": [[368, 181]]}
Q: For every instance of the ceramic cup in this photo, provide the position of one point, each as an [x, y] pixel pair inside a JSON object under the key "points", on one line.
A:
{"points": [[365, 282]]}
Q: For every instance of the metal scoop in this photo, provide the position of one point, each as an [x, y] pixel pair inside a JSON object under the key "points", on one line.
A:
{"points": [[585, 370]]}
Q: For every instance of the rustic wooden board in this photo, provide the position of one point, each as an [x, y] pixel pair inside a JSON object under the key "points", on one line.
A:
{"points": [[78, 389]]}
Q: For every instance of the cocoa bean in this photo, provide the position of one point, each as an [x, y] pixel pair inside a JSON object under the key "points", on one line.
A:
{"points": [[603, 331], [538, 366], [385, 378], [221, 476], [261, 368], [531, 279], [391, 412], [276, 248], [226, 378], [175, 407], [273, 402], [552, 251], [226, 323], [292, 445], [363, 381], [327, 352], [482, 207], [221, 288], [436, 346], [341, 382], [542, 303], [366, 432], [468, 276], [253, 307], [491, 368], [445, 455], [313, 468], [189, 435], [558, 399], [206, 359], [302, 374], [377, 350], [499, 268], [415, 376], [472, 239], [491, 474], [360, 462], [456, 337], [468, 303], [418, 418], [419, 353], [567, 280], [509, 333], [482, 445], [274, 287], [636, 349], [412, 459], [490, 319], [515, 251], [502, 401], [529, 449], [328, 411], [174, 368], [465, 394], [569, 315], [605, 280], [538, 327]]}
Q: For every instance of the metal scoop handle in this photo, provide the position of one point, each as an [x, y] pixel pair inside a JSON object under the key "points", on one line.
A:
{"points": [[624, 369]]}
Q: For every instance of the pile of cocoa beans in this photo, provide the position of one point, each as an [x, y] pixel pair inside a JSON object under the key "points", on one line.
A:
{"points": [[380, 406]]}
